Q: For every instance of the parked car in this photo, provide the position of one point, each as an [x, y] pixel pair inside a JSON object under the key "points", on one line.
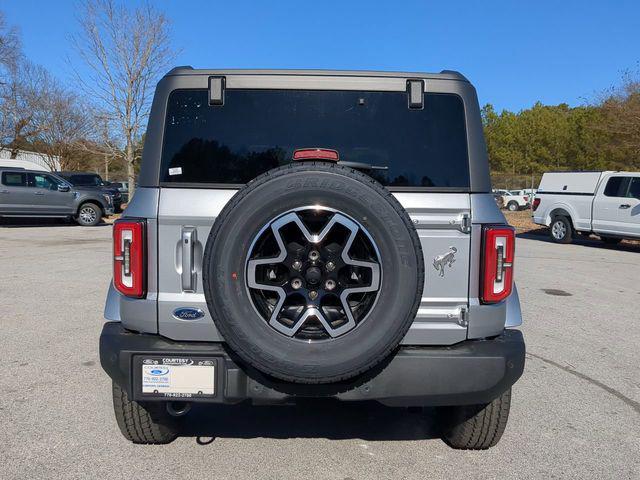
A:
{"points": [[34, 193], [604, 203], [514, 202], [123, 188], [331, 248], [94, 181]]}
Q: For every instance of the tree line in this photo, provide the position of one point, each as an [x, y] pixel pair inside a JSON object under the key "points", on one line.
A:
{"points": [[603, 135]]}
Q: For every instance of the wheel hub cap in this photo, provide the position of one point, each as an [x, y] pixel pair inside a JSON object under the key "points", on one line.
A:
{"points": [[313, 276], [559, 230], [313, 273]]}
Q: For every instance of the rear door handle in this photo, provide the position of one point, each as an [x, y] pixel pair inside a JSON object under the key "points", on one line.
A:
{"points": [[189, 275], [39, 193], [624, 206], [4, 191]]}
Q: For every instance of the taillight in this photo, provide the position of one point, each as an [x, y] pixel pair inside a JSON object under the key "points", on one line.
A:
{"points": [[526, 198], [497, 267], [536, 203], [129, 257]]}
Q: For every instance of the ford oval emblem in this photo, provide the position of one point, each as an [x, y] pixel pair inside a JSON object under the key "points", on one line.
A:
{"points": [[159, 371], [188, 313]]}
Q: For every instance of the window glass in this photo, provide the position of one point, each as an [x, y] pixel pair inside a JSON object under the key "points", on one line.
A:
{"points": [[14, 179], [634, 188], [43, 181], [86, 180], [257, 130], [616, 186]]}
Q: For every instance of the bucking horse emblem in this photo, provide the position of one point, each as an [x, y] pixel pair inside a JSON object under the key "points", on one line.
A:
{"points": [[445, 259]]}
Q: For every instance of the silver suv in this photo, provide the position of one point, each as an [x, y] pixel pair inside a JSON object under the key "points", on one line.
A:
{"points": [[313, 234]]}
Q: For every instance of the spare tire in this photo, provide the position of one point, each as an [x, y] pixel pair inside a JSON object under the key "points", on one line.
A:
{"points": [[313, 273]]}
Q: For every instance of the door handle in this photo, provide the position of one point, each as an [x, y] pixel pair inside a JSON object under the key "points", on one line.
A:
{"points": [[188, 243], [624, 206], [39, 193], [4, 191]]}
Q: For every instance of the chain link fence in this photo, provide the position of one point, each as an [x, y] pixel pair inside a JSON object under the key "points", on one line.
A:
{"points": [[509, 181]]}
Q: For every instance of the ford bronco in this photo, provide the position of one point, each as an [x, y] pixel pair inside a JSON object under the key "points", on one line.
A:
{"points": [[313, 234]]}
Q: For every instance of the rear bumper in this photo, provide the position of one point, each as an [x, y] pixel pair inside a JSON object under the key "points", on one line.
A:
{"points": [[539, 220], [471, 372]]}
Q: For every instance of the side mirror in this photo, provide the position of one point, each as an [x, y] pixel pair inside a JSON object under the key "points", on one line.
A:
{"points": [[63, 188]]}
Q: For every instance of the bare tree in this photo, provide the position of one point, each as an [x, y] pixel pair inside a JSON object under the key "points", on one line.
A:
{"points": [[10, 48], [126, 50], [66, 128], [23, 104], [621, 120]]}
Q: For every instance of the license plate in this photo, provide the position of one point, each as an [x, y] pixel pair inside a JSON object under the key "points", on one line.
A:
{"points": [[178, 377]]}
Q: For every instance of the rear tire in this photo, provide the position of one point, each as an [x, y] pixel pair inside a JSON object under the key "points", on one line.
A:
{"points": [[477, 427], [146, 423], [561, 230], [513, 206], [89, 215]]}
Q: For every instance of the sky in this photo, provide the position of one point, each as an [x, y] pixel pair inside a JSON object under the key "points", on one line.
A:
{"points": [[515, 52]]}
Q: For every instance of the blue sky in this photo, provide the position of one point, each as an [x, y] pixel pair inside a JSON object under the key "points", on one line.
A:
{"points": [[515, 52]]}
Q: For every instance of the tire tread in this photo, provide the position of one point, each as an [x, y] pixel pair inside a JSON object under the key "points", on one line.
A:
{"points": [[477, 427], [144, 424]]}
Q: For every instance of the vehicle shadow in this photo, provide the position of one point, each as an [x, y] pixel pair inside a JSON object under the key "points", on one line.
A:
{"points": [[9, 222], [313, 418], [584, 240]]}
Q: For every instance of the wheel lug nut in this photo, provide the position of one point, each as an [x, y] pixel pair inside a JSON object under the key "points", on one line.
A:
{"points": [[330, 284], [296, 283], [330, 266], [313, 294], [314, 255], [297, 265]]}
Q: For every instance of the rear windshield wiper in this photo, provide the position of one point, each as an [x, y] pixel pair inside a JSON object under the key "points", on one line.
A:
{"points": [[362, 166]]}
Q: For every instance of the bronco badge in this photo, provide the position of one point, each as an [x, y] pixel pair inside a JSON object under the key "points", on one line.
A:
{"points": [[445, 259]]}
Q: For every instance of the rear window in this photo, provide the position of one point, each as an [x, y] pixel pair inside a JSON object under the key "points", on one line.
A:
{"points": [[257, 130], [11, 179], [85, 180]]}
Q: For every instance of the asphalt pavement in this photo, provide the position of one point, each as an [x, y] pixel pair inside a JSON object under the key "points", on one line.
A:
{"points": [[575, 412]]}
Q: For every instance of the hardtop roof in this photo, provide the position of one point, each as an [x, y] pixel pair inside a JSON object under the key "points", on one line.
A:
{"points": [[443, 75]]}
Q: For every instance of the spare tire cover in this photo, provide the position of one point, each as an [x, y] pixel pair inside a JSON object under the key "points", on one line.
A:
{"points": [[313, 273]]}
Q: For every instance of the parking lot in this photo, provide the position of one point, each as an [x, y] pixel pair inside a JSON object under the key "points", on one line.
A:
{"points": [[575, 412]]}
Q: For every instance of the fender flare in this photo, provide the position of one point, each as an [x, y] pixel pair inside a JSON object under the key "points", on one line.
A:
{"points": [[560, 209]]}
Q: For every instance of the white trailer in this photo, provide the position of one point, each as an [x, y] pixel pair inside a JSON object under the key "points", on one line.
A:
{"points": [[604, 203], [29, 160]]}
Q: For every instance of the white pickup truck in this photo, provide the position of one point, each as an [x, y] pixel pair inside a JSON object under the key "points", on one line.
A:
{"points": [[514, 200], [604, 203]]}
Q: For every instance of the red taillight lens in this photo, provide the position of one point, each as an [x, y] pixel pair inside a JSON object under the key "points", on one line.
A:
{"points": [[526, 198], [129, 257], [536, 203], [316, 154], [497, 269]]}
